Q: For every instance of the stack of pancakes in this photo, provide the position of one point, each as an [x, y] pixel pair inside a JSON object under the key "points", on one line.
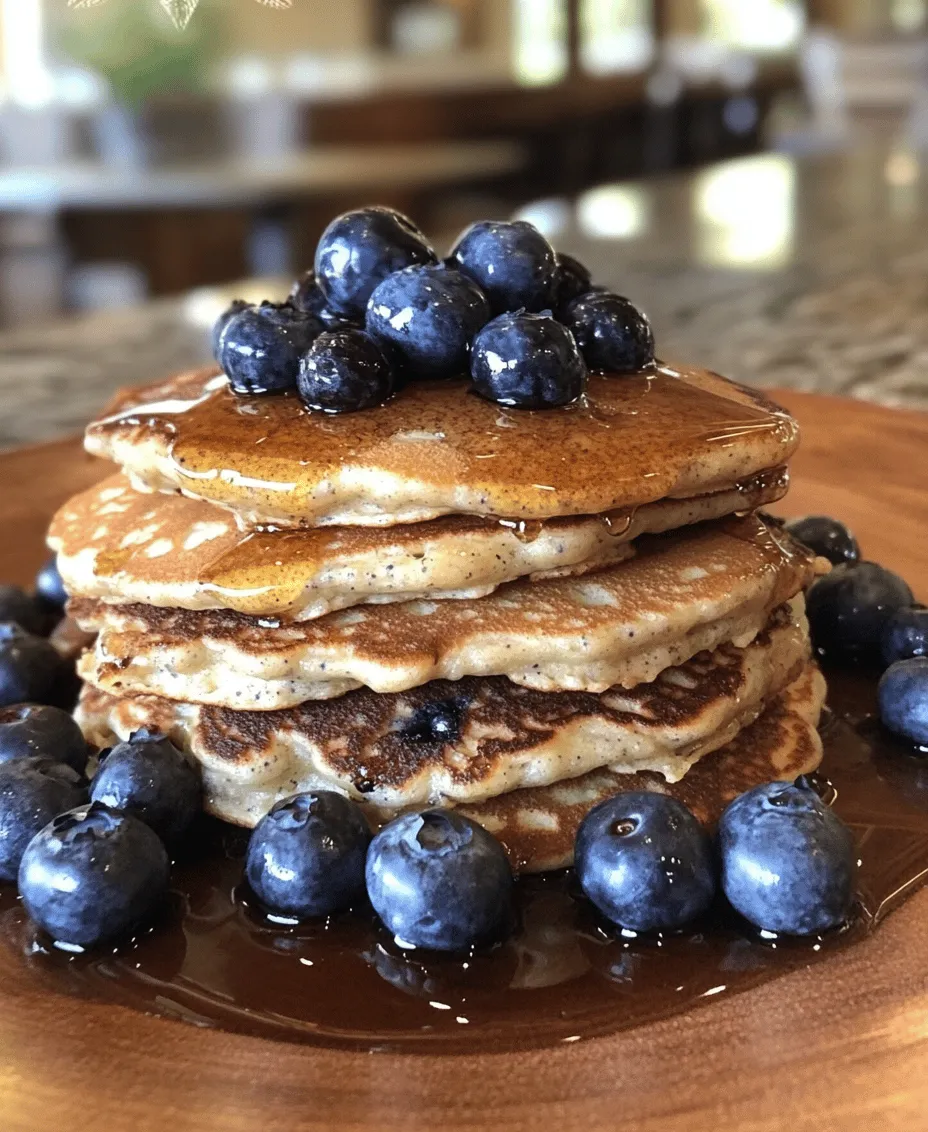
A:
{"points": [[440, 601]]}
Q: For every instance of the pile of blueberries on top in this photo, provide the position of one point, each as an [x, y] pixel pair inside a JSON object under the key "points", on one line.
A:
{"points": [[92, 858], [381, 309]]}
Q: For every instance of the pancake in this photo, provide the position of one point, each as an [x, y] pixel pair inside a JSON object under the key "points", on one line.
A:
{"points": [[494, 736], [538, 827], [679, 595], [437, 449], [120, 546]]}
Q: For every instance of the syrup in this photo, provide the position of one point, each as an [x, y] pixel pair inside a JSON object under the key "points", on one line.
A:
{"points": [[563, 976]]}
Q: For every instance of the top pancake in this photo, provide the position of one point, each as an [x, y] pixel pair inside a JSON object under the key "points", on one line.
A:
{"points": [[437, 449]]}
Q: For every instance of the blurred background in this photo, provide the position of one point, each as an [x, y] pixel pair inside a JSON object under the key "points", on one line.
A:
{"points": [[738, 166]]}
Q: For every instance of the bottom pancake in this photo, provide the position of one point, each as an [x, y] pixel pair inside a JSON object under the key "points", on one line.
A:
{"points": [[538, 827]]}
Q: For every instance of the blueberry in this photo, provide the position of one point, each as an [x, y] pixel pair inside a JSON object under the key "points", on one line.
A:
{"points": [[571, 280], [151, 779], [788, 861], [30, 668], [234, 308], [527, 361], [306, 856], [261, 347], [306, 295], [361, 248], [439, 880], [33, 790], [344, 370], [49, 588], [92, 874], [645, 862], [849, 609], [613, 335], [427, 316], [903, 696], [437, 722], [34, 729], [905, 635], [827, 537], [16, 605], [511, 262]]}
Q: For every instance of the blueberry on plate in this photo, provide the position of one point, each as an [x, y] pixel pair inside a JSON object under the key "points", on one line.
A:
{"points": [[359, 249], [905, 635], [903, 697], [613, 335], [30, 668], [92, 874], [234, 308], [825, 536], [33, 790], [439, 880], [344, 370], [511, 262], [49, 588], [571, 280], [306, 295], [306, 856], [788, 861], [645, 862], [426, 317], [260, 348], [16, 605], [527, 361], [37, 729], [151, 779], [850, 608]]}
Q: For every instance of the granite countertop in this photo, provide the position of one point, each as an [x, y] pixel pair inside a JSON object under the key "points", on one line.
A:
{"points": [[810, 273]]}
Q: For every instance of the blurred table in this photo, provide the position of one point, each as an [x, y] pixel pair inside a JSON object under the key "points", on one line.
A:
{"points": [[810, 273]]}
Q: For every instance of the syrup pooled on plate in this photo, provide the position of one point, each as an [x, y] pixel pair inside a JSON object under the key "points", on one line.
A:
{"points": [[564, 975]]}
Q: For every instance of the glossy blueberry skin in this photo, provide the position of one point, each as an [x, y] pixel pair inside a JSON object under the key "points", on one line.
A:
{"points": [[16, 605], [571, 280], [360, 249], [613, 335], [49, 588], [343, 371], [849, 609], [151, 779], [439, 880], [37, 729], [645, 862], [903, 698], [905, 635], [788, 861], [827, 537], [306, 856], [33, 790], [306, 295], [426, 318], [234, 308], [30, 669], [92, 874], [260, 348], [511, 262], [527, 361], [436, 722]]}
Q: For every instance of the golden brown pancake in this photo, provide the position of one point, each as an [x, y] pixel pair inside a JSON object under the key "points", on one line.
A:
{"points": [[438, 449], [120, 546], [384, 750], [679, 595]]}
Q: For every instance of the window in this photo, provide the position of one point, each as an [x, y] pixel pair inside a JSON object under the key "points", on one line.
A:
{"points": [[615, 35], [542, 54], [753, 25]]}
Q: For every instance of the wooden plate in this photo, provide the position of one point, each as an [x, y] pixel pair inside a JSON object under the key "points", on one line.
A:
{"points": [[835, 1046]]}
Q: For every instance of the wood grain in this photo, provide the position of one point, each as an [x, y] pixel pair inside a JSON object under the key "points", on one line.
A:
{"points": [[837, 1047]]}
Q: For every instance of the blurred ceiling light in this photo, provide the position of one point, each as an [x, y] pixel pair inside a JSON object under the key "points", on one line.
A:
{"points": [[26, 77], [901, 168], [757, 25], [540, 41], [745, 213], [551, 217], [616, 35], [613, 212]]}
